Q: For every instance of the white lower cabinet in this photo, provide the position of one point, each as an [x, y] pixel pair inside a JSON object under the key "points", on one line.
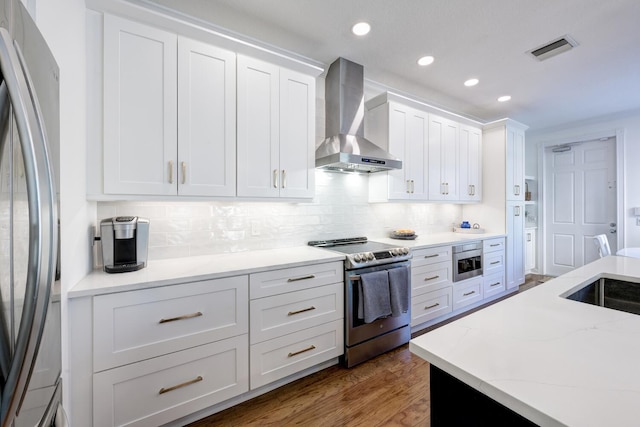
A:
{"points": [[433, 304], [493, 284], [162, 389], [467, 292], [297, 320]]}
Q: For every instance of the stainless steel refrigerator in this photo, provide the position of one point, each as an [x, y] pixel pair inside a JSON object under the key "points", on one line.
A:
{"points": [[30, 357]]}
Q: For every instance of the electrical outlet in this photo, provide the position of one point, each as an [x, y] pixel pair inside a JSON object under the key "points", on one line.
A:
{"points": [[255, 228]]}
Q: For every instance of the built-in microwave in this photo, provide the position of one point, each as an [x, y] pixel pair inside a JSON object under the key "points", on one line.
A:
{"points": [[467, 261]]}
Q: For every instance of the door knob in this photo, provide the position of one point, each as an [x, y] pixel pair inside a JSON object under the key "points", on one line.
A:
{"points": [[613, 224], [612, 231]]}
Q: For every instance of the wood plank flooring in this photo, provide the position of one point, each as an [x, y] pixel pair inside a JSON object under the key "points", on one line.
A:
{"points": [[389, 390]]}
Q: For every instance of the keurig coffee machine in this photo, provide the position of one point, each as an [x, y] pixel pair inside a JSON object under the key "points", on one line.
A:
{"points": [[124, 243]]}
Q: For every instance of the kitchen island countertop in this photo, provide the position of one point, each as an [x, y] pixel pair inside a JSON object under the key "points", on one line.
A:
{"points": [[552, 360]]}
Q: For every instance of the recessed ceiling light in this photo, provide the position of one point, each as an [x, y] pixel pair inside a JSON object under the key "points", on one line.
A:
{"points": [[361, 29], [471, 82], [426, 60], [504, 98]]}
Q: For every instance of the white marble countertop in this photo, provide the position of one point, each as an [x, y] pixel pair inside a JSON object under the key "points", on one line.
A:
{"points": [[550, 359], [180, 270], [428, 240]]}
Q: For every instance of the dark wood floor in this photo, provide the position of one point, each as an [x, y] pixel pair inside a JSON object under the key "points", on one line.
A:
{"points": [[390, 390]]}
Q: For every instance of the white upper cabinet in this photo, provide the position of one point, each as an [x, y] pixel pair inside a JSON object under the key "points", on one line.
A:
{"points": [[403, 131], [515, 164], [443, 158], [276, 126], [470, 144], [140, 108], [206, 120]]}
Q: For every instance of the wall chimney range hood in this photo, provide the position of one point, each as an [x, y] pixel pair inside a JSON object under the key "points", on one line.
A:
{"points": [[346, 149]]}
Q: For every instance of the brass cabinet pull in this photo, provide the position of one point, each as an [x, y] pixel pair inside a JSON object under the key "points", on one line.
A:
{"points": [[275, 178], [291, 313], [170, 171], [175, 387], [432, 306], [469, 293], [431, 256], [186, 316], [297, 279], [426, 279], [184, 172], [494, 284], [304, 350], [284, 178], [495, 262]]}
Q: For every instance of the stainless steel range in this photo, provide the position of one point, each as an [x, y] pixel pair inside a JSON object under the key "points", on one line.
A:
{"points": [[365, 264]]}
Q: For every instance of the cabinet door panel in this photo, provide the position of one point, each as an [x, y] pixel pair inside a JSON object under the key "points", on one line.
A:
{"points": [[140, 99], [258, 133], [399, 188], [470, 164], [297, 133], [515, 245], [443, 159], [206, 119]]}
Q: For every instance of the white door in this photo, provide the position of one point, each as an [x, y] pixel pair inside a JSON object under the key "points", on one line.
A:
{"points": [[258, 127], [140, 99], [579, 203], [297, 133], [206, 119]]}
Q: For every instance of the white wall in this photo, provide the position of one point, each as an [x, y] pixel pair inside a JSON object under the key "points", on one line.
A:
{"points": [[340, 209], [629, 124], [62, 24]]}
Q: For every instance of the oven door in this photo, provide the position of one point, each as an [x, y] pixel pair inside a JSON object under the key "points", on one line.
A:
{"points": [[467, 264], [356, 331]]}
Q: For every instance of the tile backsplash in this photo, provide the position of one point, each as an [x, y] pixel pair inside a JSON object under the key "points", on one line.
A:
{"points": [[339, 209]]}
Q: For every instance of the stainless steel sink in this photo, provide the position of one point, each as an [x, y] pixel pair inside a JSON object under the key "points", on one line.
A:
{"points": [[610, 293]]}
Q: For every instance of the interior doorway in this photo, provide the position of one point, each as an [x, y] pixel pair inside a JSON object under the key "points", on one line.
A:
{"points": [[580, 201]]}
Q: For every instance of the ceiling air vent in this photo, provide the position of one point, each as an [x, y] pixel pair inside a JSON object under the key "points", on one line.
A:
{"points": [[553, 48]]}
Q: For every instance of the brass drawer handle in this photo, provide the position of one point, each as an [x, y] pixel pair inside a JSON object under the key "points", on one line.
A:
{"points": [[432, 306], [291, 313], [175, 387], [186, 316], [295, 353], [184, 172], [430, 278], [296, 279], [494, 284], [495, 262], [170, 171], [431, 256], [468, 293]]}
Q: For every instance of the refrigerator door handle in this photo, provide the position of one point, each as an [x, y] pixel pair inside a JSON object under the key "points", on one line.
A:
{"points": [[42, 225]]}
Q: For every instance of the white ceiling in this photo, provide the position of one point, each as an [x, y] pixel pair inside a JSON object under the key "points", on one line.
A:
{"points": [[469, 38]]}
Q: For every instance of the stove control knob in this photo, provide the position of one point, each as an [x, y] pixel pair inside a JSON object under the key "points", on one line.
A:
{"points": [[370, 256], [395, 252], [357, 258], [405, 251]]}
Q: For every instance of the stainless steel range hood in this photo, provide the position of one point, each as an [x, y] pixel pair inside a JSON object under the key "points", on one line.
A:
{"points": [[346, 149]]}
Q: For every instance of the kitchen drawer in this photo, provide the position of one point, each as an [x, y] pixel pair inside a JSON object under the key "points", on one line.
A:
{"points": [[431, 305], [137, 325], [467, 292], [279, 315], [431, 255], [277, 358], [493, 263], [493, 284], [430, 277], [162, 389], [492, 245], [294, 279]]}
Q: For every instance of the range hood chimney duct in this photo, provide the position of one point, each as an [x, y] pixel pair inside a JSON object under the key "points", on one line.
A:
{"points": [[346, 149]]}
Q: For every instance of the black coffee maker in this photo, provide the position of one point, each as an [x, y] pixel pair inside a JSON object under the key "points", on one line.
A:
{"points": [[124, 243]]}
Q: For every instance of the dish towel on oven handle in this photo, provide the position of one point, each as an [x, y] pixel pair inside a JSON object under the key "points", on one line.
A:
{"points": [[374, 300], [399, 279]]}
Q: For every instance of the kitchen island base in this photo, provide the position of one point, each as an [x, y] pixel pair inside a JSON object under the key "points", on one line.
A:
{"points": [[454, 403]]}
